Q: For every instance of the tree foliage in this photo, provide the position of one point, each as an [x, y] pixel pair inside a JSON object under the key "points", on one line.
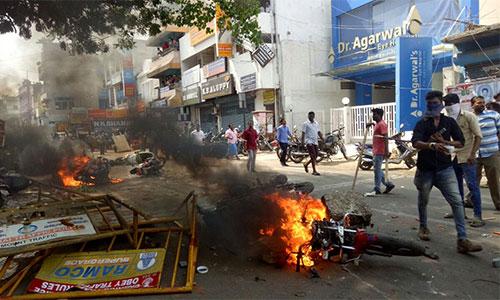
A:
{"points": [[84, 26]]}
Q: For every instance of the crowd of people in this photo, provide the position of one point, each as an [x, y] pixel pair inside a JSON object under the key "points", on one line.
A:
{"points": [[452, 148]]}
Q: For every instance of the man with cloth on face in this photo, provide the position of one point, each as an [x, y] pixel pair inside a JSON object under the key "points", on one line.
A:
{"points": [[436, 136], [464, 162]]}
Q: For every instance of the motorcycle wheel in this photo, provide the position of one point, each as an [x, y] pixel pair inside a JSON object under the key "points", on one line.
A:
{"points": [[387, 246], [296, 158], [366, 165], [344, 151], [410, 162]]}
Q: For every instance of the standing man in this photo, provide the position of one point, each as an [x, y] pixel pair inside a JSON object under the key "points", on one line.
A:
{"points": [[380, 152], [489, 157], [198, 135], [435, 135], [232, 140], [251, 136], [282, 135], [310, 133], [464, 163]]}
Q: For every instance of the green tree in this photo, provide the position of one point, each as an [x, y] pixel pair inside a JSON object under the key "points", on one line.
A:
{"points": [[83, 26]]}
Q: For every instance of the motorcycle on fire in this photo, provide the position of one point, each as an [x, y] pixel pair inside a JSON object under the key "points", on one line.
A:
{"points": [[331, 238], [406, 153]]}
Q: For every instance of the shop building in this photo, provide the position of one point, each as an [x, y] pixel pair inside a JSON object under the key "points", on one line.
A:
{"points": [[372, 48]]}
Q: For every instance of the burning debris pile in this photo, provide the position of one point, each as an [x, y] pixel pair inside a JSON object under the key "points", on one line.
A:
{"points": [[82, 170]]}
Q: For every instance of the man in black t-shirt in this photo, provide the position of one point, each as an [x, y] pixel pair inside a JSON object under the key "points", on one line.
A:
{"points": [[436, 136]]}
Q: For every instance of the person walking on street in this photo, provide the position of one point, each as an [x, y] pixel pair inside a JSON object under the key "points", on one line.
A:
{"points": [[282, 134], [232, 140], [380, 152], [198, 135], [464, 162], [250, 136], [436, 135], [489, 156], [310, 133]]}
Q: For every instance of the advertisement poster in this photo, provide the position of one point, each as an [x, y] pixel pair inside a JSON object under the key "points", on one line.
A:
{"points": [[41, 231], [90, 271]]}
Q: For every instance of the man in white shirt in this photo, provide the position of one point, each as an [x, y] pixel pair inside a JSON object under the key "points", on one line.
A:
{"points": [[310, 133], [198, 135]]}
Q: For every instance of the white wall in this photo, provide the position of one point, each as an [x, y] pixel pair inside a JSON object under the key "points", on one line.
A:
{"points": [[187, 50], [304, 29], [489, 12]]}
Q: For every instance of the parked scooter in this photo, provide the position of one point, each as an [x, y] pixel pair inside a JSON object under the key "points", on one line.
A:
{"points": [[406, 153]]}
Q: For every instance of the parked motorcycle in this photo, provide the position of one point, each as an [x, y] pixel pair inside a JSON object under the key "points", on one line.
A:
{"points": [[334, 142], [406, 153], [263, 143]]}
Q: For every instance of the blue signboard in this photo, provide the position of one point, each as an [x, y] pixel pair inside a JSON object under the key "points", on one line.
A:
{"points": [[369, 32], [413, 79]]}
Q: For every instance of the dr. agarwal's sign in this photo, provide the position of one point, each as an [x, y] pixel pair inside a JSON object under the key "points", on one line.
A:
{"points": [[384, 39], [413, 79], [359, 48]]}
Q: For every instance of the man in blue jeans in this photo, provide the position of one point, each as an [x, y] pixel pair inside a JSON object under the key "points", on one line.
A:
{"points": [[464, 163], [282, 134], [436, 136], [380, 152]]}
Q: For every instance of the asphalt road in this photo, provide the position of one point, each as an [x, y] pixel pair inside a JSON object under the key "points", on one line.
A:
{"points": [[454, 275]]}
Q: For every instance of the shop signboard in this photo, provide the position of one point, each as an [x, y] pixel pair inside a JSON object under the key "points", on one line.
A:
{"points": [[224, 49], [109, 124], [41, 231], [78, 115], [369, 32], [214, 68], [102, 270], [217, 87], [465, 91], [199, 35], [248, 82], [413, 79], [268, 97], [263, 55], [191, 76], [99, 114], [191, 95]]}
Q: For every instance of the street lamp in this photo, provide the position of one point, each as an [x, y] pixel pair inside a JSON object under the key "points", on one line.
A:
{"points": [[346, 101]]}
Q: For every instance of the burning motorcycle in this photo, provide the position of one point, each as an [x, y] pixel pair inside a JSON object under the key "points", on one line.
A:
{"points": [[406, 153], [95, 172], [151, 166], [333, 238]]}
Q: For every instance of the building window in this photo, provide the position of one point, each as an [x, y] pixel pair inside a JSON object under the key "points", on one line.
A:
{"points": [[347, 85], [63, 103]]}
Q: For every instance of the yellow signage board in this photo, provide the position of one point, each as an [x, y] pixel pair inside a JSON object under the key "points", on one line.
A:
{"points": [[268, 97], [101, 270]]}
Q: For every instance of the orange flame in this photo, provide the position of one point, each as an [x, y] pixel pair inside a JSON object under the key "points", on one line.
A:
{"points": [[298, 215], [70, 167]]}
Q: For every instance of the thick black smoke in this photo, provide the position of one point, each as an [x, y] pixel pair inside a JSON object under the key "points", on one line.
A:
{"points": [[31, 151]]}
